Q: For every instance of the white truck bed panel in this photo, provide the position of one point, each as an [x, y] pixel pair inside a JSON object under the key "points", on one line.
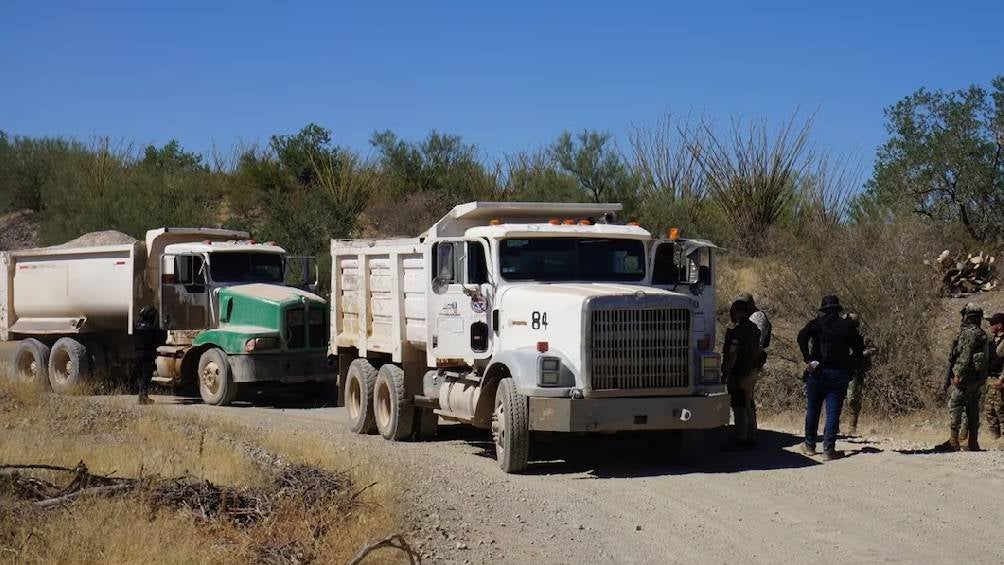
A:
{"points": [[59, 291], [378, 296]]}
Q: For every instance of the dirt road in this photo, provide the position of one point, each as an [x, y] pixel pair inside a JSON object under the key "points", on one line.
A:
{"points": [[606, 499]]}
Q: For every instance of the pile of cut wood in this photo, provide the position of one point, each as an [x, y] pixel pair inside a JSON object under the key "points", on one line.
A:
{"points": [[204, 500], [967, 275]]}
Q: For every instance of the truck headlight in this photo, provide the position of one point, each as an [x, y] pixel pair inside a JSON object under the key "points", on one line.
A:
{"points": [[261, 344], [711, 371], [550, 371]]}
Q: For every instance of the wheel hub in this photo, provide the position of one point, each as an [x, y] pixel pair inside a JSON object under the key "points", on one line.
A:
{"points": [[383, 406], [211, 377], [498, 428], [354, 400]]}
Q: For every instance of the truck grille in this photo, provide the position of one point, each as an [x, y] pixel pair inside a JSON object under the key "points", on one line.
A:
{"points": [[296, 329], [318, 328], [632, 348]]}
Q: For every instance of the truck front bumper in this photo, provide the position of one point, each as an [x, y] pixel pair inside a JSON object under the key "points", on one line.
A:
{"points": [[622, 414], [281, 367]]}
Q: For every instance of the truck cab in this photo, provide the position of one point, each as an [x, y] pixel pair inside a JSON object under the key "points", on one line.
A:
{"points": [[230, 318], [536, 317]]}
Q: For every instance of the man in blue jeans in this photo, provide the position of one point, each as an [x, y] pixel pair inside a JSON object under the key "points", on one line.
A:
{"points": [[832, 350]]}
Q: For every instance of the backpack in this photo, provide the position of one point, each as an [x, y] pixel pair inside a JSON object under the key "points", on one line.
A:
{"points": [[766, 330], [981, 357]]}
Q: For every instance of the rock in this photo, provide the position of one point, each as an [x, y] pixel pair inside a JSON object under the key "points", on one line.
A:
{"points": [[461, 545], [637, 528]]}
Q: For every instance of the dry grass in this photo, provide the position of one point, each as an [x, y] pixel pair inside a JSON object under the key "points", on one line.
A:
{"points": [[129, 441]]}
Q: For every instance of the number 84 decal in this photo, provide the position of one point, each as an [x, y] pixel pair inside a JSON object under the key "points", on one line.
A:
{"points": [[538, 320]]}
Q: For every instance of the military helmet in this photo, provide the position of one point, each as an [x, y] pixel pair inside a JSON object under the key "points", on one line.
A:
{"points": [[972, 311]]}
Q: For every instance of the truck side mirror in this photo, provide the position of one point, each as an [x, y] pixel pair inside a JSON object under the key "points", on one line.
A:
{"points": [[440, 285]]}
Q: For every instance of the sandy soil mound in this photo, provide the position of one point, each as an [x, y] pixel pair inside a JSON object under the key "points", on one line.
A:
{"points": [[97, 238]]}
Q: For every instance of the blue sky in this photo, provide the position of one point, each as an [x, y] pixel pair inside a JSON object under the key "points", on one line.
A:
{"points": [[506, 75]]}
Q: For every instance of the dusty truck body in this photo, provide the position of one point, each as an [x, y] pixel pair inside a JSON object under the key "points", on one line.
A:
{"points": [[224, 315], [524, 318]]}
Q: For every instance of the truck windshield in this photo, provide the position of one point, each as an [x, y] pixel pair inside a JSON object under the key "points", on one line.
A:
{"points": [[244, 267], [572, 259]]}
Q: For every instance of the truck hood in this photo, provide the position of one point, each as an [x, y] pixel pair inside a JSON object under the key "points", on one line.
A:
{"points": [[275, 293]]}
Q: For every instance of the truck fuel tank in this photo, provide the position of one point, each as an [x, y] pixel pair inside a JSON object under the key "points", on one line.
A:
{"points": [[458, 396]]}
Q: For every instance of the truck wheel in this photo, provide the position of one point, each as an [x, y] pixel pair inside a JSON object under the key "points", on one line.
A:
{"points": [[69, 365], [216, 384], [510, 427], [31, 362], [359, 384], [393, 413], [426, 423]]}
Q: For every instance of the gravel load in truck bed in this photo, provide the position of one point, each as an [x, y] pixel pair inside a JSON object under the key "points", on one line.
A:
{"points": [[95, 239]]}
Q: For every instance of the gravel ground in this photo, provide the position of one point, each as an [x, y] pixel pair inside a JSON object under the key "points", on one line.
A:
{"points": [[616, 499]]}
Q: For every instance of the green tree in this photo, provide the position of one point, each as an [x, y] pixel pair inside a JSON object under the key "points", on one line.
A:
{"points": [[302, 190], [171, 158], [535, 177], [944, 159], [421, 181], [601, 172]]}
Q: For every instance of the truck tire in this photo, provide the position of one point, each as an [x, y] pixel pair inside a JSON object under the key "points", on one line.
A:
{"points": [[426, 423], [31, 362], [359, 384], [510, 427], [69, 365], [216, 383], [392, 408]]}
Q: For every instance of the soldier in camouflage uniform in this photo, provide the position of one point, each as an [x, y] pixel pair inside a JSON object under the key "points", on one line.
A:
{"points": [[969, 374], [856, 390], [995, 384]]}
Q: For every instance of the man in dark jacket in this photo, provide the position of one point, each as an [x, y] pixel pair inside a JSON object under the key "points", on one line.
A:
{"points": [[739, 367], [832, 350], [147, 337]]}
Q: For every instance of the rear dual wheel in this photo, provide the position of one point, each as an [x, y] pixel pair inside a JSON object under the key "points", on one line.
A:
{"points": [[377, 401], [69, 366], [31, 362], [392, 408], [359, 383]]}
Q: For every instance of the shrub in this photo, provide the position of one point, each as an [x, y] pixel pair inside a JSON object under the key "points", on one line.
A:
{"points": [[876, 268]]}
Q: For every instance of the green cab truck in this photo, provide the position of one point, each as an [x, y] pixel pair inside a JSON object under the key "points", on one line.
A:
{"points": [[225, 316]]}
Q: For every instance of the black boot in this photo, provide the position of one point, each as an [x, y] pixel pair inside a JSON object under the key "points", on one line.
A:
{"points": [[951, 445], [973, 440]]}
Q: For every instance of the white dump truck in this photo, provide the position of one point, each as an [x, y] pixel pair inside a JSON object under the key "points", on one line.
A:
{"points": [[525, 318], [225, 315]]}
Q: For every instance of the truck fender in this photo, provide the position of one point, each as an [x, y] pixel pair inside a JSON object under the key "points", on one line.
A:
{"points": [[522, 365], [190, 363], [495, 372]]}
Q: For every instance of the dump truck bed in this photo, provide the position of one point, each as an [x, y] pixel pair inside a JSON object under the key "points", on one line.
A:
{"points": [[378, 295], [70, 291]]}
